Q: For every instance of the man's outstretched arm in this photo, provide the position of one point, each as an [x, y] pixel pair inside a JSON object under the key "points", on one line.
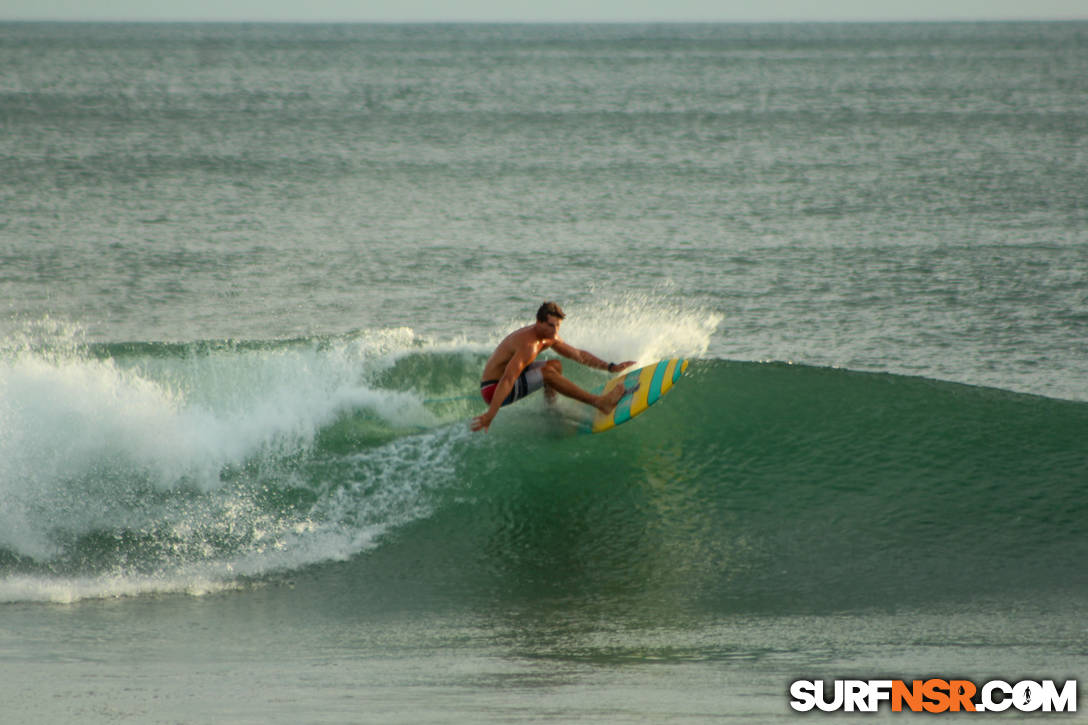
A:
{"points": [[589, 359], [506, 384]]}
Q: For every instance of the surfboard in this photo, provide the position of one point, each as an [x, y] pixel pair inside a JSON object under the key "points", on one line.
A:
{"points": [[645, 386]]}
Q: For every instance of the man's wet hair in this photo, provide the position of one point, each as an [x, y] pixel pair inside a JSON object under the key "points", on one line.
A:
{"points": [[549, 308]]}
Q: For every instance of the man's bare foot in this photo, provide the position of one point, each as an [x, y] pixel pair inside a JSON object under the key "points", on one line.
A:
{"points": [[607, 403]]}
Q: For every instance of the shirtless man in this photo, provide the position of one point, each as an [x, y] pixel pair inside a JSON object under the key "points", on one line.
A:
{"points": [[512, 372]]}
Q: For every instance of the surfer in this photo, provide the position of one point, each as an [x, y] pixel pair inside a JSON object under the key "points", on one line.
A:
{"points": [[512, 371]]}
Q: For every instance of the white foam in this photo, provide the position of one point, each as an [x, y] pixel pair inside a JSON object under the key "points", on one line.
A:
{"points": [[385, 488], [85, 444], [69, 590]]}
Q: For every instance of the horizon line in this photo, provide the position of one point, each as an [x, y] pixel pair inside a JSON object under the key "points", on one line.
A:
{"points": [[417, 21]]}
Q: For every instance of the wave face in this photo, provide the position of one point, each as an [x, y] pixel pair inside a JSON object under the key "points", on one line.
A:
{"points": [[140, 468]]}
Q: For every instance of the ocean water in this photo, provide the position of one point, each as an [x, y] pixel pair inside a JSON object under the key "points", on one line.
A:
{"points": [[249, 275]]}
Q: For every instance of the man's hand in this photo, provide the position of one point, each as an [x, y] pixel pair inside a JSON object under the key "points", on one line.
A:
{"points": [[617, 367], [482, 422]]}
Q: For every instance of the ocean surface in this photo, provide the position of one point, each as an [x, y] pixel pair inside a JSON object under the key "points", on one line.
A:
{"points": [[249, 276]]}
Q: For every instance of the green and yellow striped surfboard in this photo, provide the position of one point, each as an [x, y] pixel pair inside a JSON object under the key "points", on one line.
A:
{"points": [[647, 385]]}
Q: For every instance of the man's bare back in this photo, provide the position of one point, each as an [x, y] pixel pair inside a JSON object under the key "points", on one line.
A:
{"points": [[505, 378]]}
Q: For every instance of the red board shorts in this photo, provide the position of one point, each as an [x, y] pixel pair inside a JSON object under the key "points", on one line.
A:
{"points": [[530, 381]]}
